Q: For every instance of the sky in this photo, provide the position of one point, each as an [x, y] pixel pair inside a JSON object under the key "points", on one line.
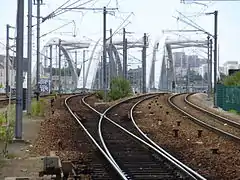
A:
{"points": [[145, 16]]}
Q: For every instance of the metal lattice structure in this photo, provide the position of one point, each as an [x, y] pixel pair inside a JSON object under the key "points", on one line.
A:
{"points": [[66, 47], [167, 76], [115, 60]]}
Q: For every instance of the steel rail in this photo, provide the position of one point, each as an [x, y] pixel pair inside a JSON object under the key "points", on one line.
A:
{"points": [[92, 139], [99, 124], [46, 95], [223, 119], [188, 169], [103, 115], [200, 122]]}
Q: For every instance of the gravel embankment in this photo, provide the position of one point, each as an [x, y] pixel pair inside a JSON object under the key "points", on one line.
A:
{"points": [[61, 133], [159, 120], [201, 100]]}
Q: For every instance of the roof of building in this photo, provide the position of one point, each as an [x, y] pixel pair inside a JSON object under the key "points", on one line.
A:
{"points": [[231, 62]]}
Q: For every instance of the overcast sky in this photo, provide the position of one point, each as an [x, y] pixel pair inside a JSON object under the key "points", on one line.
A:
{"points": [[149, 16]]}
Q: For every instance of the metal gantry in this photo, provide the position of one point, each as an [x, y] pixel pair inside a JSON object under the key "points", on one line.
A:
{"points": [[64, 49], [113, 49], [167, 77]]}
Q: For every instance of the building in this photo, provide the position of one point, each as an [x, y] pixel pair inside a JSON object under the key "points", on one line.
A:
{"points": [[2, 77], [230, 65], [12, 71], [179, 59], [182, 60]]}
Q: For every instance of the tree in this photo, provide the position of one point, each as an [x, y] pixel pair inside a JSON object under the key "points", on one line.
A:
{"points": [[119, 88], [233, 80]]}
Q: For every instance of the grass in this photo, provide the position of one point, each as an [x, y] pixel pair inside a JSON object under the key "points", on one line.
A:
{"points": [[3, 120], [39, 107], [233, 111]]}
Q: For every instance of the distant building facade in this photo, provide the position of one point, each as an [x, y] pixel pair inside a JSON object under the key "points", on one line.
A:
{"points": [[230, 65], [12, 71]]}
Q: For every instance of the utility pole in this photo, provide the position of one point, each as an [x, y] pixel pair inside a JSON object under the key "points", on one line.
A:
{"points": [[188, 78], [29, 55], [59, 65], [104, 54], [210, 54], [7, 60], [111, 61], [51, 68], [19, 73], [7, 57], [144, 58], [101, 73], [39, 3], [76, 60], [46, 58], [83, 69], [124, 54], [208, 66], [65, 80], [215, 57], [104, 41]]}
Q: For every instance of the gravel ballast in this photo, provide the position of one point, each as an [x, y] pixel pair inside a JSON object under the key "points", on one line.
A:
{"points": [[160, 122]]}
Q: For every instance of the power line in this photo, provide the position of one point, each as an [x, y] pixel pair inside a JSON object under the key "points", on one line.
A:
{"points": [[118, 29], [191, 21], [52, 13], [58, 28], [63, 10]]}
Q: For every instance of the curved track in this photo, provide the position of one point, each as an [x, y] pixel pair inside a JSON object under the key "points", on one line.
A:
{"points": [[122, 146], [204, 118], [101, 165], [221, 118], [4, 100], [195, 174], [135, 157]]}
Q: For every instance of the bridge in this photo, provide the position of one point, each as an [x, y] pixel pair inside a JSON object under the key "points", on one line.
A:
{"points": [[94, 79]]}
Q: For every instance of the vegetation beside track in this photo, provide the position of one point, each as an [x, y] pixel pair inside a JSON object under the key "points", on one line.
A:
{"points": [[233, 80], [39, 107], [7, 116], [119, 88]]}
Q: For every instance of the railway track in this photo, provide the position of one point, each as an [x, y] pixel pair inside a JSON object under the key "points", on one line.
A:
{"points": [[205, 118], [133, 156], [4, 101], [101, 165]]}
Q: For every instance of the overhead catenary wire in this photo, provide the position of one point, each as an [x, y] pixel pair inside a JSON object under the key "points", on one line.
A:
{"points": [[59, 8], [63, 10], [195, 24], [58, 28], [67, 10]]}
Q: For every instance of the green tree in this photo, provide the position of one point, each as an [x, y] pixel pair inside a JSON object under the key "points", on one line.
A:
{"points": [[119, 88], [233, 80]]}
